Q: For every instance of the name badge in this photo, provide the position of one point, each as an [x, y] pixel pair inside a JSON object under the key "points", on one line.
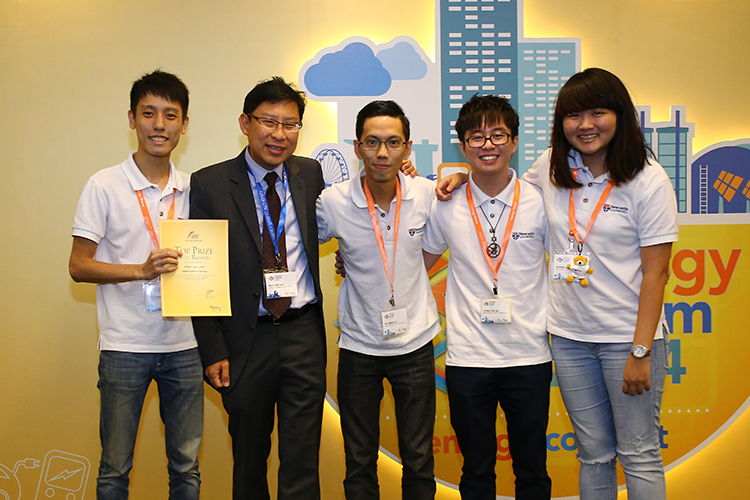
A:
{"points": [[281, 284], [558, 268], [152, 295], [394, 321], [496, 310]]}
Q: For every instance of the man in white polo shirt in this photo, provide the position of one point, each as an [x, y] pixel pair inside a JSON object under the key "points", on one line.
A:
{"points": [[495, 228], [387, 312], [115, 245]]}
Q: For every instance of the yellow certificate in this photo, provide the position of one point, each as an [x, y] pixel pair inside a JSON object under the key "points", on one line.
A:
{"points": [[200, 285]]}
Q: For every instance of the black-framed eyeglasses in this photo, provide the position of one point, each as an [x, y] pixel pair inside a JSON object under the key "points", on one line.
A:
{"points": [[478, 141], [392, 144], [271, 124]]}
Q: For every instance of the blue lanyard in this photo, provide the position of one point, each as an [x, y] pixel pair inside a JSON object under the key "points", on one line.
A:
{"points": [[275, 233]]}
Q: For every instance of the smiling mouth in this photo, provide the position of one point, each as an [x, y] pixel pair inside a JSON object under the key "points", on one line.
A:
{"points": [[586, 137], [489, 157], [275, 149], [159, 139]]}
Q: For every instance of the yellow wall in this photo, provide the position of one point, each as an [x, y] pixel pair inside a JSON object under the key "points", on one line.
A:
{"points": [[65, 74]]}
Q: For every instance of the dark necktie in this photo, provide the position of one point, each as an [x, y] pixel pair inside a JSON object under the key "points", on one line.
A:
{"points": [[274, 306]]}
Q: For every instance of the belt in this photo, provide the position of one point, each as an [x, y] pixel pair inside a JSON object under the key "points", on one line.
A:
{"points": [[289, 315]]}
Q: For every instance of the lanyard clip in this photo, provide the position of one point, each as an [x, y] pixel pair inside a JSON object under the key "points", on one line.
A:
{"points": [[392, 301], [580, 248], [494, 288]]}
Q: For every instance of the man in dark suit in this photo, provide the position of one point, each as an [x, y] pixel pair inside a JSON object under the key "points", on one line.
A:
{"points": [[270, 354]]}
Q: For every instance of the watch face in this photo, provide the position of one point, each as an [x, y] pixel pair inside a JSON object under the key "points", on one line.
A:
{"points": [[639, 351]]}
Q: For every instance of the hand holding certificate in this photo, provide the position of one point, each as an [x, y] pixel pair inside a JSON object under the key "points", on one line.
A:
{"points": [[200, 285]]}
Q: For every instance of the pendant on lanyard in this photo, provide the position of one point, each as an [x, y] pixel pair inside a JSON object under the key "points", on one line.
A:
{"points": [[394, 320], [152, 289], [508, 229]]}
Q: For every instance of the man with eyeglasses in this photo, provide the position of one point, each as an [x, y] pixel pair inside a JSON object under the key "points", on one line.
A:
{"points": [[495, 228], [270, 355], [387, 313]]}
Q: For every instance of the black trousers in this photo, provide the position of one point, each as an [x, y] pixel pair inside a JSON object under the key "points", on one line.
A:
{"points": [[523, 393], [284, 374]]}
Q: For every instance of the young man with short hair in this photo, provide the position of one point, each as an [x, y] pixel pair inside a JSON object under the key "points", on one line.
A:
{"points": [[495, 228], [387, 312], [115, 245]]}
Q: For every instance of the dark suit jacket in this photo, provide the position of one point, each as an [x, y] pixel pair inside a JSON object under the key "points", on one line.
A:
{"points": [[223, 191]]}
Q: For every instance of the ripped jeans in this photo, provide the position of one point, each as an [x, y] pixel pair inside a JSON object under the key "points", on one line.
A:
{"points": [[610, 425]]}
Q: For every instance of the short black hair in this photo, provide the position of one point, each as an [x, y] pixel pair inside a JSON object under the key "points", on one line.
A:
{"points": [[485, 111], [160, 84], [273, 90], [381, 108]]}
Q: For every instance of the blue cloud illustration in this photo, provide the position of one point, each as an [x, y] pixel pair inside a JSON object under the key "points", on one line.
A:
{"points": [[352, 71], [403, 62]]}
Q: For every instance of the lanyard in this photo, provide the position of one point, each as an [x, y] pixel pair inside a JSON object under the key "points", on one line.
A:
{"points": [[379, 234], [506, 236], [572, 212], [147, 216], [275, 233]]}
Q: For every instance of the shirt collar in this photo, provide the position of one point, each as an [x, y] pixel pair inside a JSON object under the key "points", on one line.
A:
{"points": [[358, 192], [139, 182], [505, 196], [575, 161], [258, 171]]}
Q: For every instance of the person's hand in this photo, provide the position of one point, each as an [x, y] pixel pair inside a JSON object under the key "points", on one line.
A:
{"points": [[218, 373], [637, 375], [160, 261], [339, 265], [447, 184], [407, 168]]}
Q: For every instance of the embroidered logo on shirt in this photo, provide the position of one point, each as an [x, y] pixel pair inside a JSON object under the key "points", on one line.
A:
{"points": [[415, 231], [522, 236], [614, 208]]}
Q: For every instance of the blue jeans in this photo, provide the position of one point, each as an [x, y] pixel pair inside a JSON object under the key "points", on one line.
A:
{"points": [[360, 390], [124, 378], [608, 424]]}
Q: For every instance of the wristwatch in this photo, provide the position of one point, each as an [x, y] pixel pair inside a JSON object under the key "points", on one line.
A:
{"points": [[640, 352]]}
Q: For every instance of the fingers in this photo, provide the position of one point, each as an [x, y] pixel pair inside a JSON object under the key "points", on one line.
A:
{"points": [[218, 374]]}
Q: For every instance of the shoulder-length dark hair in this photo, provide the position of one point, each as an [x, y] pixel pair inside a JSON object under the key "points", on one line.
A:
{"points": [[591, 89]]}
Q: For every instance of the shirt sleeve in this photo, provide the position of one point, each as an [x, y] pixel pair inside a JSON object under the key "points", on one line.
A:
{"points": [[433, 240], [657, 221], [90, 220], [323, 228]]}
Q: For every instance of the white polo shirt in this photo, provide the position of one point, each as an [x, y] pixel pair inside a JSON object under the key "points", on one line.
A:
{"points": [[638, 214], [108, 214], [522, 277], [342, 214]]}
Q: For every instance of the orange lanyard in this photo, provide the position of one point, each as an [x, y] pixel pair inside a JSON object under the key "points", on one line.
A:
{"points": [[506, 236], [147, 216], [572, 212], [379, 234]]}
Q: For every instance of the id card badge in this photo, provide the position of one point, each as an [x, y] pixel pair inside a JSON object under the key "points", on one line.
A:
{"points": [[496, 310], [152, 295], [280, 284], [559, 263], [394, 321]]}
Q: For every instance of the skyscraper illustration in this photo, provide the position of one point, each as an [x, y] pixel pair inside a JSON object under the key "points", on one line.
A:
{"points": [[482, 50]]}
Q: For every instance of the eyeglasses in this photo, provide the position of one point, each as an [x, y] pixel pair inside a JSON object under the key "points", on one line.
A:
{"points": [[393, 144], [478, 141], [271, 124]]}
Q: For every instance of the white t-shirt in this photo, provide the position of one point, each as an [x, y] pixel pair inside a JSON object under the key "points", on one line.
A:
{"points": [[522, 277], [342, 214], [108, 214], [640, 213]]}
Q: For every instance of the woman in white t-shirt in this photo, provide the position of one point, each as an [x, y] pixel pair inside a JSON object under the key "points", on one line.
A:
{"points": [[613, 218]]}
